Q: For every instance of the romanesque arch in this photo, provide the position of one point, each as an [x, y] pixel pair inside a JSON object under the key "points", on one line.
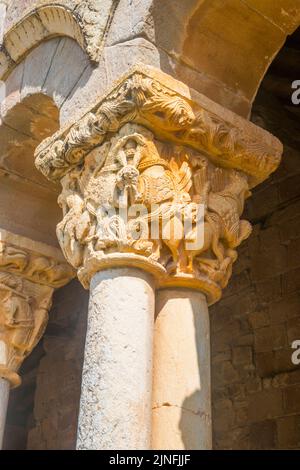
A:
{"points": [[85, 22], [198, 42]]}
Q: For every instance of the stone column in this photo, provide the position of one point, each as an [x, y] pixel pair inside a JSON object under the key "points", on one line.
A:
{"points": [[115, 409], [134, 172], [181, 381], [29, 273]]}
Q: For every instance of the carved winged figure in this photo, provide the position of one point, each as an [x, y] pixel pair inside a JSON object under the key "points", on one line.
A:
{"points": [[223, 193]]}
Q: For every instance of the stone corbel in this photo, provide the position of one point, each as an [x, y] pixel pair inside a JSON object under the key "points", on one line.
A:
{"points": [[153, 141], [29, 273]]}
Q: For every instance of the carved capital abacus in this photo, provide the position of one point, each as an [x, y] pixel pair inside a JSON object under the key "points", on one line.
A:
{"points": [[148, 143]]}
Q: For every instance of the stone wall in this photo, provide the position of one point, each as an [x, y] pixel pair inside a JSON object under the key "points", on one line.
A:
{"points": [[256, 388]]}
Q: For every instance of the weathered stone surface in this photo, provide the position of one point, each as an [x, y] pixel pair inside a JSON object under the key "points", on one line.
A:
{"points": [[180, 38], [82, 21], [272, 385], [286, 16], [193, 113], [115, 405], [29, 271], [58, 83], [58, 382], [36, 68], [289, 432], [146, 96]]}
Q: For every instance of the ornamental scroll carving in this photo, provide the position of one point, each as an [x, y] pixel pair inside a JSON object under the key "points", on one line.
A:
{"points": [[148, 143], [146, 97]]}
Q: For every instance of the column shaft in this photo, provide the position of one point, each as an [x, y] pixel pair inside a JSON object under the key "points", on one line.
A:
{"points": [[4, 395], [115, 406], [181, 383]]}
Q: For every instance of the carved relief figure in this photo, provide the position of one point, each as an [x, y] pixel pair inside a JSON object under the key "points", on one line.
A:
{"points": [[23, 319], [74, 228]]}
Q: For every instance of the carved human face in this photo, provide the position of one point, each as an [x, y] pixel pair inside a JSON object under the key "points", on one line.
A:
{"points": [[130, 150], [127, 176]]}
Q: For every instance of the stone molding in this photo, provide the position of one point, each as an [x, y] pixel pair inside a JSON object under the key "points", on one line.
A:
{"points": [[29, 273], [86, 22], [147, 142]]}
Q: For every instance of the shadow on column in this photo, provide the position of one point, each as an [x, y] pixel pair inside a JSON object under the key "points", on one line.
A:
{"points": [[182, 403]]}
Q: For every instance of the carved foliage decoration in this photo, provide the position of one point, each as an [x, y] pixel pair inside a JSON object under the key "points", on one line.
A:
{"points": [[95, 17], [227, 140]]}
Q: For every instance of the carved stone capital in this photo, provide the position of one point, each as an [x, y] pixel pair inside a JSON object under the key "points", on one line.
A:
{"points": [[29, 273], [24, 308], [149, 144]]}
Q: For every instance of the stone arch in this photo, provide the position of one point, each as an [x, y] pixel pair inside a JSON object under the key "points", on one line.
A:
{"points": [[85, 22], [38, 95], [38, 98], [199, 41], [28, 207], [210, 81]]}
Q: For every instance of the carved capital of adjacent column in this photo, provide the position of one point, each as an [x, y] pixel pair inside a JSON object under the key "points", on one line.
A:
{"points": [[29, 273], [149, 143]]}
